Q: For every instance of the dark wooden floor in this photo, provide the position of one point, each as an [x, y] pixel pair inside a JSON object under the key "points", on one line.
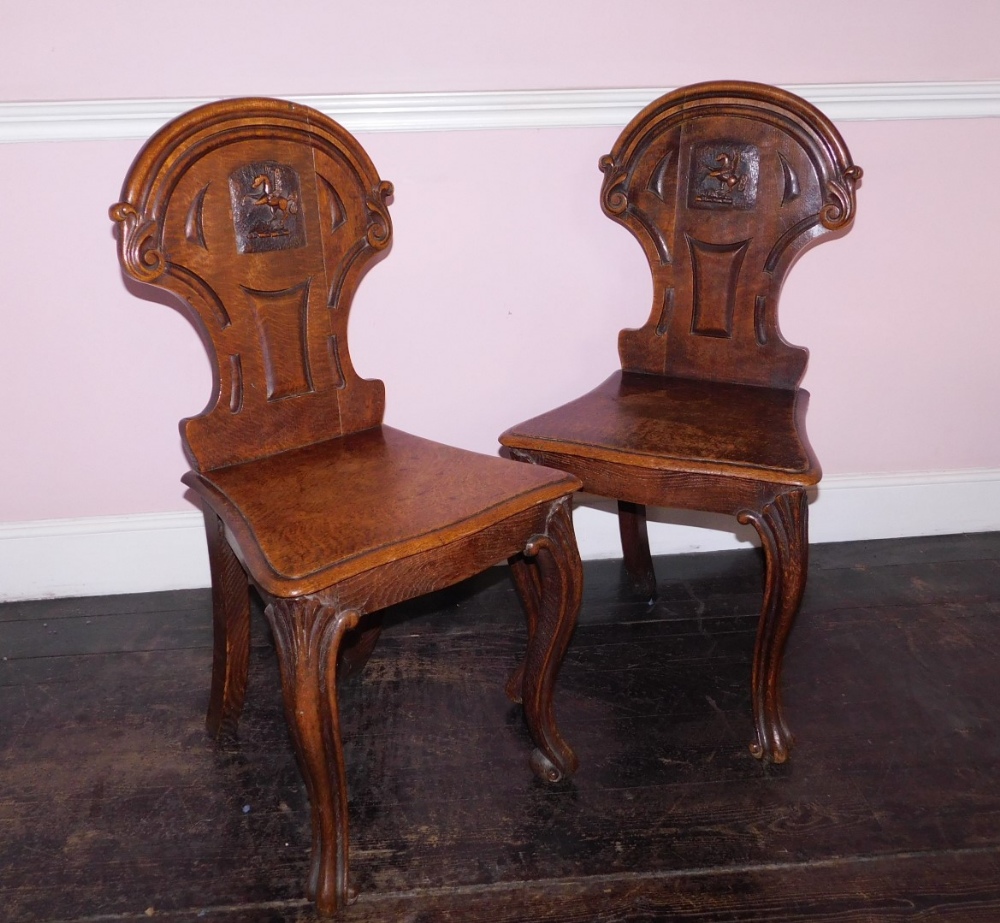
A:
{"points": [[115, 806]]}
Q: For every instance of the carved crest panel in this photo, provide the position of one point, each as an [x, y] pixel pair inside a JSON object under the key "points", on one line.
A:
{"points": [[267, 208], [724, 175]]}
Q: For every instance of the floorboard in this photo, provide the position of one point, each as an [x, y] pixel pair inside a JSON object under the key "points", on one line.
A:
{"points": [[114, 805]]}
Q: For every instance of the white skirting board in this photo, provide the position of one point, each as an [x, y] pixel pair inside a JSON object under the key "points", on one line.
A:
{"points": [[166, 551]]}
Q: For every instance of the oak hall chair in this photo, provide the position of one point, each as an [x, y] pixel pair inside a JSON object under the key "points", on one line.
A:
{"points": [[723, 184], [262, 216]]}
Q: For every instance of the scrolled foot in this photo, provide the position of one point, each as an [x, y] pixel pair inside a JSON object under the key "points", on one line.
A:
{"points": [[774, 747], [545, 769]]}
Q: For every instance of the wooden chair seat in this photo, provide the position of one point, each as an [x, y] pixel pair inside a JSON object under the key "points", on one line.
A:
{"points": [[339, 508], [262, 216], [678, 424]]}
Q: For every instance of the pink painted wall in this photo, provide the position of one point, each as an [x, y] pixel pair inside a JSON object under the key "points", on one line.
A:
{"points": [[505, 286], [115, 48]]}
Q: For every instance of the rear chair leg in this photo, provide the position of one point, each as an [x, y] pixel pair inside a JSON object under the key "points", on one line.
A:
{"points": [[231, 621], [359, 644], [635, 549]]}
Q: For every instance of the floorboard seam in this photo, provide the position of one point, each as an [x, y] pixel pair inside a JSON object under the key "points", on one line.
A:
{"points": [[549, 883], [704, 872]]}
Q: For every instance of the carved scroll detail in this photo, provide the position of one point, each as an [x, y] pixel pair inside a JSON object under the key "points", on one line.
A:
{"points": [[839, 212], [377, 237], [613, 195], [615, 201], [379, 226], [137, 242]]}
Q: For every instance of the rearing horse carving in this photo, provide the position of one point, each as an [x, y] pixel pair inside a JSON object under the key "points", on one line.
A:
{"points": [[728, 171], [278, 204]]}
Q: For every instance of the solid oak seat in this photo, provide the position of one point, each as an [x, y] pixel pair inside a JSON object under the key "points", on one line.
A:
{"points": [[679, 424], [365, 500], [262, 216]]}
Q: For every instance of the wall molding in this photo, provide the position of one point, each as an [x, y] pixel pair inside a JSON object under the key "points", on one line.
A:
{"points": [[166, 551], [117, 119]]}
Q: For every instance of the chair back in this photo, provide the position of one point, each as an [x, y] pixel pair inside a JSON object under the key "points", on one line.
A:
{"points": [[724, 184], [262, 216]]}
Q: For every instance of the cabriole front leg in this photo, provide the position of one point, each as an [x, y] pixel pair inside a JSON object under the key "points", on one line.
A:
{"points": [[557, 587], [307, 636], [783, 526], [231, 627]]}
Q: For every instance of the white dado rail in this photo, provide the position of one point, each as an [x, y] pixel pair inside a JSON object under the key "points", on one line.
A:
{"points": [[115, 119]]}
